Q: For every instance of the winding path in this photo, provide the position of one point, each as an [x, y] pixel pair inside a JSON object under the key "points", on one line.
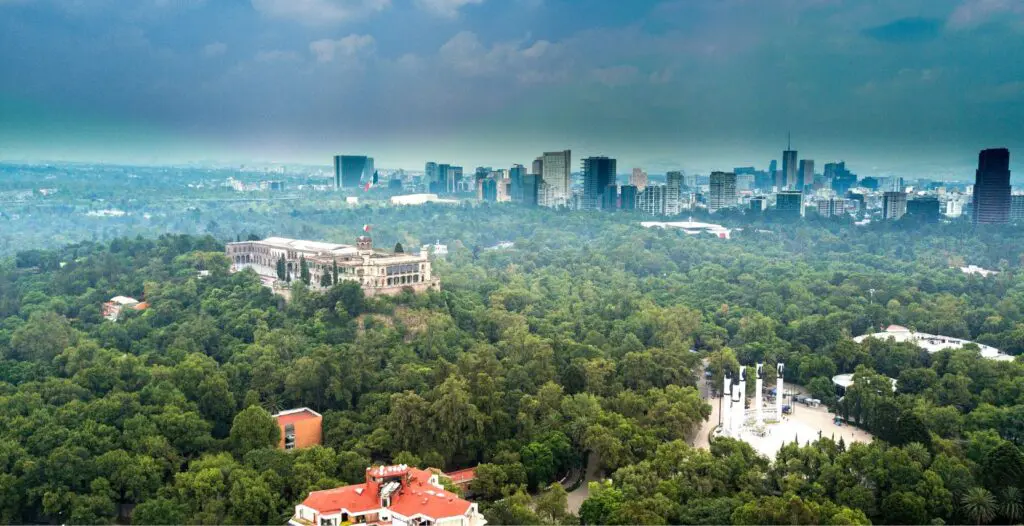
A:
{"points": [[577, 496]]}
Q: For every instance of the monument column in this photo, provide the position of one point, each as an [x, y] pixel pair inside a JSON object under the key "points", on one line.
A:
{"points": [[759, 386], [778, 392], [726, 405], [741, 412]]}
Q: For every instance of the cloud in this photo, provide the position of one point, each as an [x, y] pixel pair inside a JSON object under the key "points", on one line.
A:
{"points": [[214, 49], [615, 76], [319, 12], [973, 13], [276, 55], [445, 8], [326, 49], [905, 30], [467, 55]]}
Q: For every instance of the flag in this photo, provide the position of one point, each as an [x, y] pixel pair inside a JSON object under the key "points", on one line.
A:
{"points": [[366, 228], [367, 186]]}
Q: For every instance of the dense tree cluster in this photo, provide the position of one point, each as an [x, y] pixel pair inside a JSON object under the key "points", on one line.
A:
{"points": [[586, 338]]}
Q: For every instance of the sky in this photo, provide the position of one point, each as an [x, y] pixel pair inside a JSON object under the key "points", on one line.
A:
{"points": [[913, 88]]}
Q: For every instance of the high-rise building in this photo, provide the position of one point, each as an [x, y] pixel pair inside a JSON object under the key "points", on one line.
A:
{"points": [[556, 171], [351, 170], [774, 174], [789, 204], [894, 205], [629, 193], [1017, 208], [673, 192], [651, 200], [598, 173], [531, 189], [832, 207], [723, 191], [758, 204], [538, 166], [516, 175], [805, 176], [925, 209], [638, 179], [488, 189], [871, 183], [610, 197], [992, 187], [788, 168], [455, 180]]}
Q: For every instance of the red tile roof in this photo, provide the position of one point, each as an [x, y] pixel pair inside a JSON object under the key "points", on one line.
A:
{"points": [[462, 476], [417, 496]]}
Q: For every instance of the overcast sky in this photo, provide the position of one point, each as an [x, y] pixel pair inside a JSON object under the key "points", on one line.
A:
{"points": [[911, 87]]}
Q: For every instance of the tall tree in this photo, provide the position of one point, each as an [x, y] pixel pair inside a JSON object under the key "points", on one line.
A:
{"points": [[978, 505], [254, 428], [303, 270]]}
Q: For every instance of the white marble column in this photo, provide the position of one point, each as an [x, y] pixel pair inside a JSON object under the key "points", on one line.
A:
{"points": [[727, 405], [778, 393], [759, 386], [741, 413]]}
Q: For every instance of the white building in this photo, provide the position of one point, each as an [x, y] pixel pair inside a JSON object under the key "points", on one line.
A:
{"points": [[557, 175], [933, 343], [691, 227], [378, 272]]}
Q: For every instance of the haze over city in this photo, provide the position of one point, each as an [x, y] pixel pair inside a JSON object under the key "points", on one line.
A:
{"points": [[910, 88]]}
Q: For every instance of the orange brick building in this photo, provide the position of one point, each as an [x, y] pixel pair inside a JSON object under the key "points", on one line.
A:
{"points": [[299, 428]]}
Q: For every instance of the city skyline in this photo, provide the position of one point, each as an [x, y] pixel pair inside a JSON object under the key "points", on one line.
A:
{"points": [[911, 89]]}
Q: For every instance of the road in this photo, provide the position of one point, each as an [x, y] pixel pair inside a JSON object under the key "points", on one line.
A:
{"points": [[577, 496]]}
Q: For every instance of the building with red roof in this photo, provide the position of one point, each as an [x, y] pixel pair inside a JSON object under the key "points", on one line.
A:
{"points": [[302, 427], [391, 495], [462, 478]]}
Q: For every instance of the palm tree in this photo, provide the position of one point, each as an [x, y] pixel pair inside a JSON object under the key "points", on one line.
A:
{"points": [[978, 505], [1010, 506]]}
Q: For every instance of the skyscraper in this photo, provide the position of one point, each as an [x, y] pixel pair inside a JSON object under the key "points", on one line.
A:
{"points": [[723, 191], [516, 175], [773, 174], [638, 179], [556, 172], [894, 205], [350, 170], [757, 204], [788, 167], [805, 176], [628, 197], [531, 189], [598, 173], [992, 187], [673, 192]]}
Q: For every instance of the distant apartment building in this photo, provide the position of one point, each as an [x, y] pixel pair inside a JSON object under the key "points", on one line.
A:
{"points": [[651, 200], [638, 179], [992, 187], [789, 204], [925, 209], [758, 204], [673, 192], [610, 197], [722, 193], [300, 428], [832, 207], [351, 170], [398, 495], [894, 205], [517, 177], [378, 272], [557, 174]]}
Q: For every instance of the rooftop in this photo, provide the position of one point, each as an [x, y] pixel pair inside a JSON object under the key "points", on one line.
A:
{"points": [[303, 245], [416, 495], [933, 343], [295, 415], [462, 476]]}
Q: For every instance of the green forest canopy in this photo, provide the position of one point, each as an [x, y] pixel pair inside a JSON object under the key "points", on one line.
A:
{"points": [[577, 340]]}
